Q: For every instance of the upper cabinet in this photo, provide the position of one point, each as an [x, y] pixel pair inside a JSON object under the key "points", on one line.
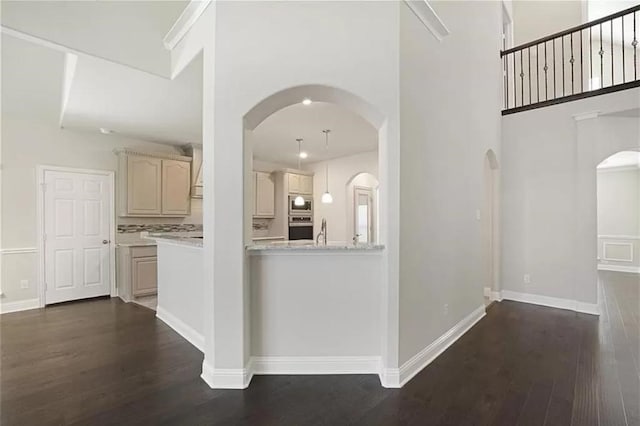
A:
{"points": [[176, 187], [154, 185], [300, 184], [264, 195]]}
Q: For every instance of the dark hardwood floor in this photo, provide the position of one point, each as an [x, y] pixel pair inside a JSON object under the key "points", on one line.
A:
{"points": [[103, 362]]}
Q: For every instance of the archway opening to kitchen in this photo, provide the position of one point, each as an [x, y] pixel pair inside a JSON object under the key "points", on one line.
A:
{"points": [[300, 164]]}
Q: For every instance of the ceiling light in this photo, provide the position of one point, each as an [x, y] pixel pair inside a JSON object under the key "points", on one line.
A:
{"points": [[326, 197], [306, 101], [303, 155], [105, 131]]}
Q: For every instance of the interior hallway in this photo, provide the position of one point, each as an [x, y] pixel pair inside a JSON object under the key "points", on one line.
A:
{"points": [[107, 362]]}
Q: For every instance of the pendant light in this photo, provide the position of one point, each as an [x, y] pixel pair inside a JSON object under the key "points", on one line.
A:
{"points": [[299, 200], [326, 197]]}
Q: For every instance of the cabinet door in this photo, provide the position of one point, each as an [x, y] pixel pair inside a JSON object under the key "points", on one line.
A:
{"points": [[176, 187], [294, 183], [306, 184], [144, 186], [144, 275], [264, 195]]}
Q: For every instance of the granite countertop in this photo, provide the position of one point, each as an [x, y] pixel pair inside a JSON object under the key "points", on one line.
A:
{"points": [[190, 238], [136, 243], [310, 246]]}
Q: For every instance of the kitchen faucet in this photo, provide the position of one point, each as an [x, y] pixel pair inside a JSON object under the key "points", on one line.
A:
{"points": [[323, 232]]}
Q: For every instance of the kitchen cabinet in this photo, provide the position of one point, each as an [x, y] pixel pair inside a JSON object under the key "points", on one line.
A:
{"points": [[264, 195], [137, 267], [195, 152], [300, 184], [154, 185], [176, 187]]}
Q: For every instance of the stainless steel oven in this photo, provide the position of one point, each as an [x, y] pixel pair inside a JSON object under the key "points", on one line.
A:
{"points": [[304, 210], [301, 227]]}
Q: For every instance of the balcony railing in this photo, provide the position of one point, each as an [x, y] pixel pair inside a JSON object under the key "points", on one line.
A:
{"points": [[591, 59]]}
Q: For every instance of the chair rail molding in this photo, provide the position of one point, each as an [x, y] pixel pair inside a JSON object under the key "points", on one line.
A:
{"points": [[429, 18], [20, 250], [185, 21]]}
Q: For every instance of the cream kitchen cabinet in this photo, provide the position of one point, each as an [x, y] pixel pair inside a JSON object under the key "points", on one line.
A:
{"points": [[137, 271], [264, 195], [154, 185], [300, 184]]}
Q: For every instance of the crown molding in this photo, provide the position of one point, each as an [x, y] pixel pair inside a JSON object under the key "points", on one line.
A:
{"points": [[425, 13], [161, 155], [185, 21]]}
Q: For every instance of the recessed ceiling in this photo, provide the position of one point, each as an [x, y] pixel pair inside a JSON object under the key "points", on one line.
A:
{"points": [[621, 159], [126, 32], [275, 138], [136, 103]]}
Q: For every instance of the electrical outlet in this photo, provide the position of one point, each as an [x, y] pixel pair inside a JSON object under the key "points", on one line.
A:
{"points": [[478, 215], [446, 309], [24, 283], [527, 279]]}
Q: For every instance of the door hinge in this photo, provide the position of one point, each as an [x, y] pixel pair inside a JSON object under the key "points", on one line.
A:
{"points": [[44, 237]]}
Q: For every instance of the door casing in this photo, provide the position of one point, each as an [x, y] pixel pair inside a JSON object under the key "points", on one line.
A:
{"points": [[40, 172]]}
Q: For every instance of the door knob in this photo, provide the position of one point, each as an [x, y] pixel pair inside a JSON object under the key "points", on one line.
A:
{"points": [[105, 241]]}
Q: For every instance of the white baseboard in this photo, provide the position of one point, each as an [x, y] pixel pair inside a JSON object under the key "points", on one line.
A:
{"points": [[552, 302], [192, 336], [226, 378], [316, 365], [619, 268], [396, 378], [21, 305], [496, 296]]}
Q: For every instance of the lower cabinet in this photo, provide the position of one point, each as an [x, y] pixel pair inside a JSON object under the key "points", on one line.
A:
{"points": [[137, 271]]}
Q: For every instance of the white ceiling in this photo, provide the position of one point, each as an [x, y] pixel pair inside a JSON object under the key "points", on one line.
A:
{"points": [[621, 159], [275, 138], [127, 32], [600, 8], [135, 103], [102, 94]]}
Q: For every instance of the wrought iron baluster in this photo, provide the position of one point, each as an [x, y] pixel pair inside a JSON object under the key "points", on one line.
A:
{"points": [[538, 73], [529, 77], [581, 65], [571, 61], [590, 59], [521, 80], [634, 44], [613, 83], [506, 82], [553, 43], [623, 64], [515, 88], [601, 53], [564, 92], [546, 68]]}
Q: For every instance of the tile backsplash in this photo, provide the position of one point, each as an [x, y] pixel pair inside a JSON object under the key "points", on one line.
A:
{"points": [[159, 227]]}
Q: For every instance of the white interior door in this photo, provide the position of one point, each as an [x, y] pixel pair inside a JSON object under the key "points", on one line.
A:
{"points": [[77, 228], [363, 211]]}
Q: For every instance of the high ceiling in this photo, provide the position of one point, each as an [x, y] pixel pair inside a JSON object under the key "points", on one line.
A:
{"points": [[275, 138], [126, 32]]}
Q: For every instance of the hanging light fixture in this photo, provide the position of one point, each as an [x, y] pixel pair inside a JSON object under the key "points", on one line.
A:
{"points": [[299, 200], [326, 197]]}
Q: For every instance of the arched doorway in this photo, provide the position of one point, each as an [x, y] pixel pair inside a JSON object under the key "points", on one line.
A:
{"points": [[490, 228], [362, 207]]}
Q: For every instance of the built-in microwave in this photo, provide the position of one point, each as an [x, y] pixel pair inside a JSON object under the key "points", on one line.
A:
{"points": [[304, 209]]}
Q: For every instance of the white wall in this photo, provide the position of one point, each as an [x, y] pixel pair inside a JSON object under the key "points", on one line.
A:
{"points": [[180, 290], [339, 214], [26, 144], [536, 19], [549, 192], [261, 49], [619, 216], [450, 103], [333, 311]]}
